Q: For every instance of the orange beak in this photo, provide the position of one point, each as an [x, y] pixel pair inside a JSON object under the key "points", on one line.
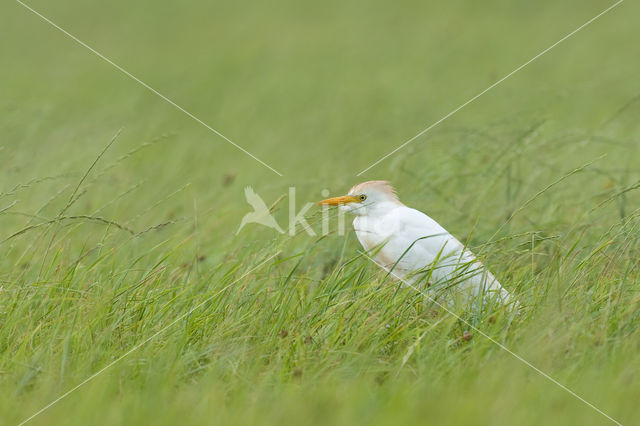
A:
{"points": [[337, 201]]}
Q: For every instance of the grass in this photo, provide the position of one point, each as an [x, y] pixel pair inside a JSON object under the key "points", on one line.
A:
{"points": [[118, 213]]}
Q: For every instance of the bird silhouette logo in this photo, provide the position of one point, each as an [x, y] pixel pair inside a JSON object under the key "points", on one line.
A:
{"points": [[260, 213]]}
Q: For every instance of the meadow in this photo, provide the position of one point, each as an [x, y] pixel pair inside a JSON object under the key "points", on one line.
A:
{"points": [[122, 277]]}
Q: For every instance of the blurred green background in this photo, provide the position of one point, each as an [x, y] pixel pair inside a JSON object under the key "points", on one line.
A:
{"points": [[319, 91]]}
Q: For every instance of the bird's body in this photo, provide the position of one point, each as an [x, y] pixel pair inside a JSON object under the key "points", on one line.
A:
{"points": [[413, 247]]}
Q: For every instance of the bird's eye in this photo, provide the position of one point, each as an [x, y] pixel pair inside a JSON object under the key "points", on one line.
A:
{"points": [[363, 197]]}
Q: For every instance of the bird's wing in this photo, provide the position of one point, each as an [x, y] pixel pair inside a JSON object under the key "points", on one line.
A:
{"points": [[420, 241], [426, 233], [255, 200], [432, 242]]}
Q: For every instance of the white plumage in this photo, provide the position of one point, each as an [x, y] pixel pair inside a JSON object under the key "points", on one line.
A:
{"points": [[414, 247]]}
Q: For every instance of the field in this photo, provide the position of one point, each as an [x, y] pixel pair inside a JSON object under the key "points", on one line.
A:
{"points": [[122, 277]]}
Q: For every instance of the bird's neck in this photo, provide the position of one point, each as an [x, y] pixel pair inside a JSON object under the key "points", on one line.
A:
{"points": [[381, 209]]}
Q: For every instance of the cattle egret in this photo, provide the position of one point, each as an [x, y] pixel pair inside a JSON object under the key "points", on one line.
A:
{"points": [[415, 248]]}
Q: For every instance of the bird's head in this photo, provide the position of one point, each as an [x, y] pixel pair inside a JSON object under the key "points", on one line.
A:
{"points": [[365, 198]]}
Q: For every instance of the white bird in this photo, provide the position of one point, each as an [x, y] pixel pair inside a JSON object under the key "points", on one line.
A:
{"points": [[415, 248]]}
